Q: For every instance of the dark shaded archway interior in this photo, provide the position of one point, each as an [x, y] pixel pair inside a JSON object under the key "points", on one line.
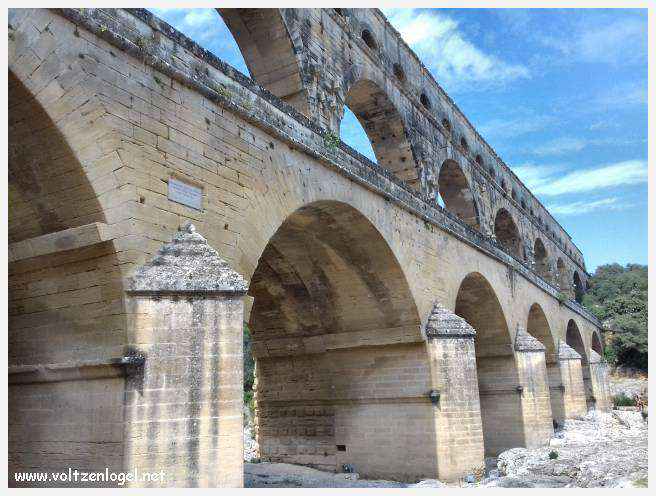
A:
{"points": [[329, 300], [596, 344], [563, 281], [578, 287], [385, 129], [501, 409], [458, 198], [48, 188], [507, 233], [574, 339], [541, 259]]}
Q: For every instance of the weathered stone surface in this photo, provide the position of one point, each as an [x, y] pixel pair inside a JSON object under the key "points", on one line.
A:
{"points": [[525, 342], [566, 352], [444, 323], [595, 357], [344, 258], [188, 264]]}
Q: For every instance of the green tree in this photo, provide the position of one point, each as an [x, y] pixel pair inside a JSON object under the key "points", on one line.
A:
{"points": [[618, 297]]}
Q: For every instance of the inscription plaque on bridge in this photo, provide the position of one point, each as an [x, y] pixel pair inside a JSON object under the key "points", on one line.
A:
{"points": [[185, 193]]}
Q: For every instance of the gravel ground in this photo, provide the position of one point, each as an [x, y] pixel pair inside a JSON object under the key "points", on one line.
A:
{"points": [[628, 384], [598, 450]]}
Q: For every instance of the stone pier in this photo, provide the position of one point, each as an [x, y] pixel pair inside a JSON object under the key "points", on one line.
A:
{"points": [[184, 408]]}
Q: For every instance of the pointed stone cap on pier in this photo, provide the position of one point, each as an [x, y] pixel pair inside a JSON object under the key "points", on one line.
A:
{"points": [[188, 264], [444, 323], [525, 342], [566, 352], [595, 357]]}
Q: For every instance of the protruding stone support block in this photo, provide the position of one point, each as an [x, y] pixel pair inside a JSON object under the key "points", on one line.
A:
{"points": [[56, 242], [456, 403], [534, 393], [184, 408], [567, 390], [599, 381]]}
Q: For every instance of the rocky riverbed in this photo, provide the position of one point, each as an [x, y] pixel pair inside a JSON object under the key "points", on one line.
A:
{"points": [[598, 450]]}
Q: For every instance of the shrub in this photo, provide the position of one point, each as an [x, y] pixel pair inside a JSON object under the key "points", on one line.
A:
{"points": [[553, 455], [623, 400]]}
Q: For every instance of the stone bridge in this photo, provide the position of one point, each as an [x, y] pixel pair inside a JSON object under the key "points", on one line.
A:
{"points": [[391, 333]]}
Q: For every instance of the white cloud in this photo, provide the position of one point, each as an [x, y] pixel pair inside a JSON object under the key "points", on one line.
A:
{"points": [[584, 207], [614, 37], [455, 61], [631, 93], [559, 146], [550, 181], [536, 176], [511, 128]]}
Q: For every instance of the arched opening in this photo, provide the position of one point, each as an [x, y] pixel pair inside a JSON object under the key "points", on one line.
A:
{"points": [[538, 327], [385, 129], [334, 326], [353, 134], [562, 279], [507, 233], [501, 409], [269, 52], [541, 259], [44, 174], [447, 126], [596, 344], [454, 189], [578, 287], [369, 39], [64, 306], [397, 68], [574, 339]]}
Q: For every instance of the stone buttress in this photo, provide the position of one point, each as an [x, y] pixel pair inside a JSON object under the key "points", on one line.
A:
{"points": [[183, 410]]}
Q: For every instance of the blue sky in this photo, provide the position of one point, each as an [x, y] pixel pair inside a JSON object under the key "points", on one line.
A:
{"points": [[561, 95]]}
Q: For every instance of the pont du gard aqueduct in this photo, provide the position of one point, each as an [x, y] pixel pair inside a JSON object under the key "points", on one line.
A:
{"points": [[159, 199]]}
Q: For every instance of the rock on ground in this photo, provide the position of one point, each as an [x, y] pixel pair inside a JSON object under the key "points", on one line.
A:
{"points": [[627, 383], [598, 450]]}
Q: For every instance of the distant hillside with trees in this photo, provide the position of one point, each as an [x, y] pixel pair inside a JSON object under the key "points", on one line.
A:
{"points": [[618, 297]]}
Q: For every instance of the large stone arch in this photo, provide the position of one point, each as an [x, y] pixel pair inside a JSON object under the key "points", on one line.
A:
{"points": [[333, 322], [269, 51], [49, 190], [537, 325], [385, 128], [507, 233], [574, 339], [498, 378], [65, 321], [456, 194]]}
